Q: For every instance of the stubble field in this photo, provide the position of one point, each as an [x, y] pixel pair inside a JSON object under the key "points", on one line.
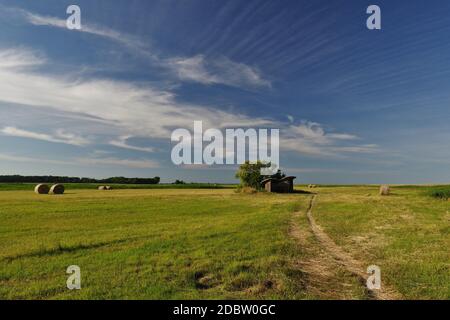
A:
{"points": [[210, 244]]}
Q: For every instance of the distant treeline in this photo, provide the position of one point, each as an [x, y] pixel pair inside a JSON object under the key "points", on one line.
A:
{"points": [[59, 179]]}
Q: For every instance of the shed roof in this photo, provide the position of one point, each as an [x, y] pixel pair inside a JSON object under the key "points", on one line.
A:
{"points": [[290, 178]]}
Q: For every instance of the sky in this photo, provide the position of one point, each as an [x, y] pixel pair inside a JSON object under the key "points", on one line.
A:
{"points": [[353, 105]]}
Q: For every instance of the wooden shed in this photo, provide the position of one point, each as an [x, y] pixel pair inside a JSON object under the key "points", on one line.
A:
{"points": [[282, 185]]}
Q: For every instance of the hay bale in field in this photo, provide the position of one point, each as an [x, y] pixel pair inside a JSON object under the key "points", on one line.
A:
{"points": [[42, 189], [57, 189], [384, 190], [108, 188], [101, 188]]}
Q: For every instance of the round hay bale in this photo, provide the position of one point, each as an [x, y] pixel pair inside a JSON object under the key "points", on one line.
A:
{"points": [[42, 189], [384, 190], [101, 188], [57, 189], [108, 187]]}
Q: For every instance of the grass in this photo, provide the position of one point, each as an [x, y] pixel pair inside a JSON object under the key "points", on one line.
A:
{"points": [[406, 234], [147, 244], [82, 186], [442, 193], [216, 243]]}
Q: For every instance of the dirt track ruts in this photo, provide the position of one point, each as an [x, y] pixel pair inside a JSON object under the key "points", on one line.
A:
{"points": [[352, 265]]}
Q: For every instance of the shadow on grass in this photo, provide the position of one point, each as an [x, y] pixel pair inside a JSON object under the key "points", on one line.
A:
{"points": [[303, 192], [60, 249]]}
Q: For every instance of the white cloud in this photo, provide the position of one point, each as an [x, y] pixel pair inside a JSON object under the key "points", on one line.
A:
{"points": [[19, 59], [124, 39], [217, 71], [311, 138], [192, 69], [314, 132], [131, 109], [39, 20], [121, 142], [60, 136]]}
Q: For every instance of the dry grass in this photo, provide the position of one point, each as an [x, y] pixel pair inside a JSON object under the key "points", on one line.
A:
{"points": [[405, 234]]}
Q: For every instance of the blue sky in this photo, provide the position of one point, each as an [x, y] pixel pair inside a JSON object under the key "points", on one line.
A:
{"points": [[353, 105]]}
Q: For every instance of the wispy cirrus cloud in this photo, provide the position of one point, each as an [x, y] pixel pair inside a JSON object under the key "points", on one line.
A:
{"points": [[59, 136], [208, 71], [124, 39], [121, 142], [219, 70], [18, 59]]}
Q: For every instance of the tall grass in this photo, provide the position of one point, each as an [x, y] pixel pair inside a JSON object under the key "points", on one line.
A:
{"points": [[442, 192]]}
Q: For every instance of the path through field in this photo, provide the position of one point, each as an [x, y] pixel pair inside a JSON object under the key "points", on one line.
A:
{"points": [[323, 269]]}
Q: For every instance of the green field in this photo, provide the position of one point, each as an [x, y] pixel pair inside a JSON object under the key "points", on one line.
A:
{"points": [[83, 186], [206, 244]]}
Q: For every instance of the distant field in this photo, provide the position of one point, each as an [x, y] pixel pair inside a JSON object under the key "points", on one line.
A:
{"points": [[81, 186], [205, 244]]}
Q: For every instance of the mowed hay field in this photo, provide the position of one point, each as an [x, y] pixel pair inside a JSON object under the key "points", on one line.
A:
{"points": [[148, 244], [206, 244], [407, 234]]}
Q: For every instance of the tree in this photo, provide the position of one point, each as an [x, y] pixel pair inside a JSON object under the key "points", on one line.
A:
{"points": [[277, 175], [250, 174]]}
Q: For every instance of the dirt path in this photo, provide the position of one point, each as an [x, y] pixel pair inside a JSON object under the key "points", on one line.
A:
{"points": [[322, 277], [342, 258]]}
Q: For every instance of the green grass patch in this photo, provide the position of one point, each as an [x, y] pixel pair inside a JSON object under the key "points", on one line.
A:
{"points": [[442, 192], [148, 244]]}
